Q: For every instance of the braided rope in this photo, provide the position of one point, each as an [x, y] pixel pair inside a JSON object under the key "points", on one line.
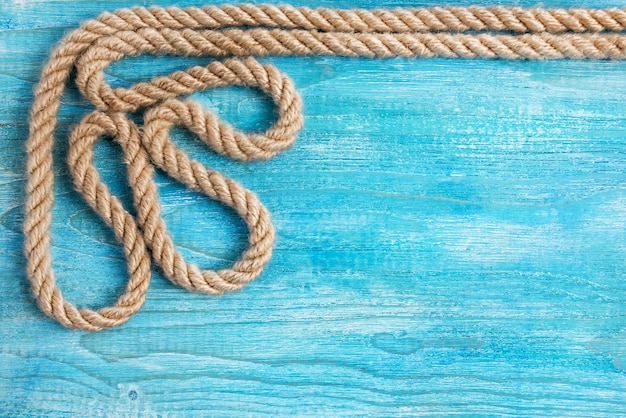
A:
{"points": [[229, 32]]}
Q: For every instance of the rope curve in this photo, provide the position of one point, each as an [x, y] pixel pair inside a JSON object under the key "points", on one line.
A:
{"points": [[236, 34]]}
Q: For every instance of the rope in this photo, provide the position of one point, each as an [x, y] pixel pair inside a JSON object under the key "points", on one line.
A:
{"points": [[236, 34]]}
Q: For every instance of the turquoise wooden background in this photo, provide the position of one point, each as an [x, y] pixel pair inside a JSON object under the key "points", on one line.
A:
{"points": [[451, 239]]}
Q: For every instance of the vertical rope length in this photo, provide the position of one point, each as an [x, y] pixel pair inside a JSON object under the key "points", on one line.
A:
{"points": [[236, 34]]}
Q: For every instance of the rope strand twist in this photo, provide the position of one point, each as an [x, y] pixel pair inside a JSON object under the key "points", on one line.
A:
{"points": [[236, 34]]}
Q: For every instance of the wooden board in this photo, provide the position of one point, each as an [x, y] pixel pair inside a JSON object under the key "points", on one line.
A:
{"points": [[451, 239]]}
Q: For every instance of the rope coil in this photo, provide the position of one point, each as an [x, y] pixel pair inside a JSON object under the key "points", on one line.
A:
{"points": [[236, 34]]}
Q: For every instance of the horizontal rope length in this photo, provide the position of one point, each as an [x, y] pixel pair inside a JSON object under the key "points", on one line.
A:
{"points": [[229, 32]]}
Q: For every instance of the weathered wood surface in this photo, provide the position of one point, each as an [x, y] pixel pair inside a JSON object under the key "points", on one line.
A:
{"points": [[451, 239]]}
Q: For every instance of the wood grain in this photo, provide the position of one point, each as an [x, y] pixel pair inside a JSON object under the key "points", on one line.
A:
{"points": [[451, 239]]}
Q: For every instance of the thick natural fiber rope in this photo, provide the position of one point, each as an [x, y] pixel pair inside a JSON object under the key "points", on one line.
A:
{"points": [[237, 31]]}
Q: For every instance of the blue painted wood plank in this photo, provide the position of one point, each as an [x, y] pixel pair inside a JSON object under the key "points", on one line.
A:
{"points": [[450, 240]]}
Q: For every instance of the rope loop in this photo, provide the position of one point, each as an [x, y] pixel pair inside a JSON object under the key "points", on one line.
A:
{"points": [[165, 155], [232, 36], [87, 182]]}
